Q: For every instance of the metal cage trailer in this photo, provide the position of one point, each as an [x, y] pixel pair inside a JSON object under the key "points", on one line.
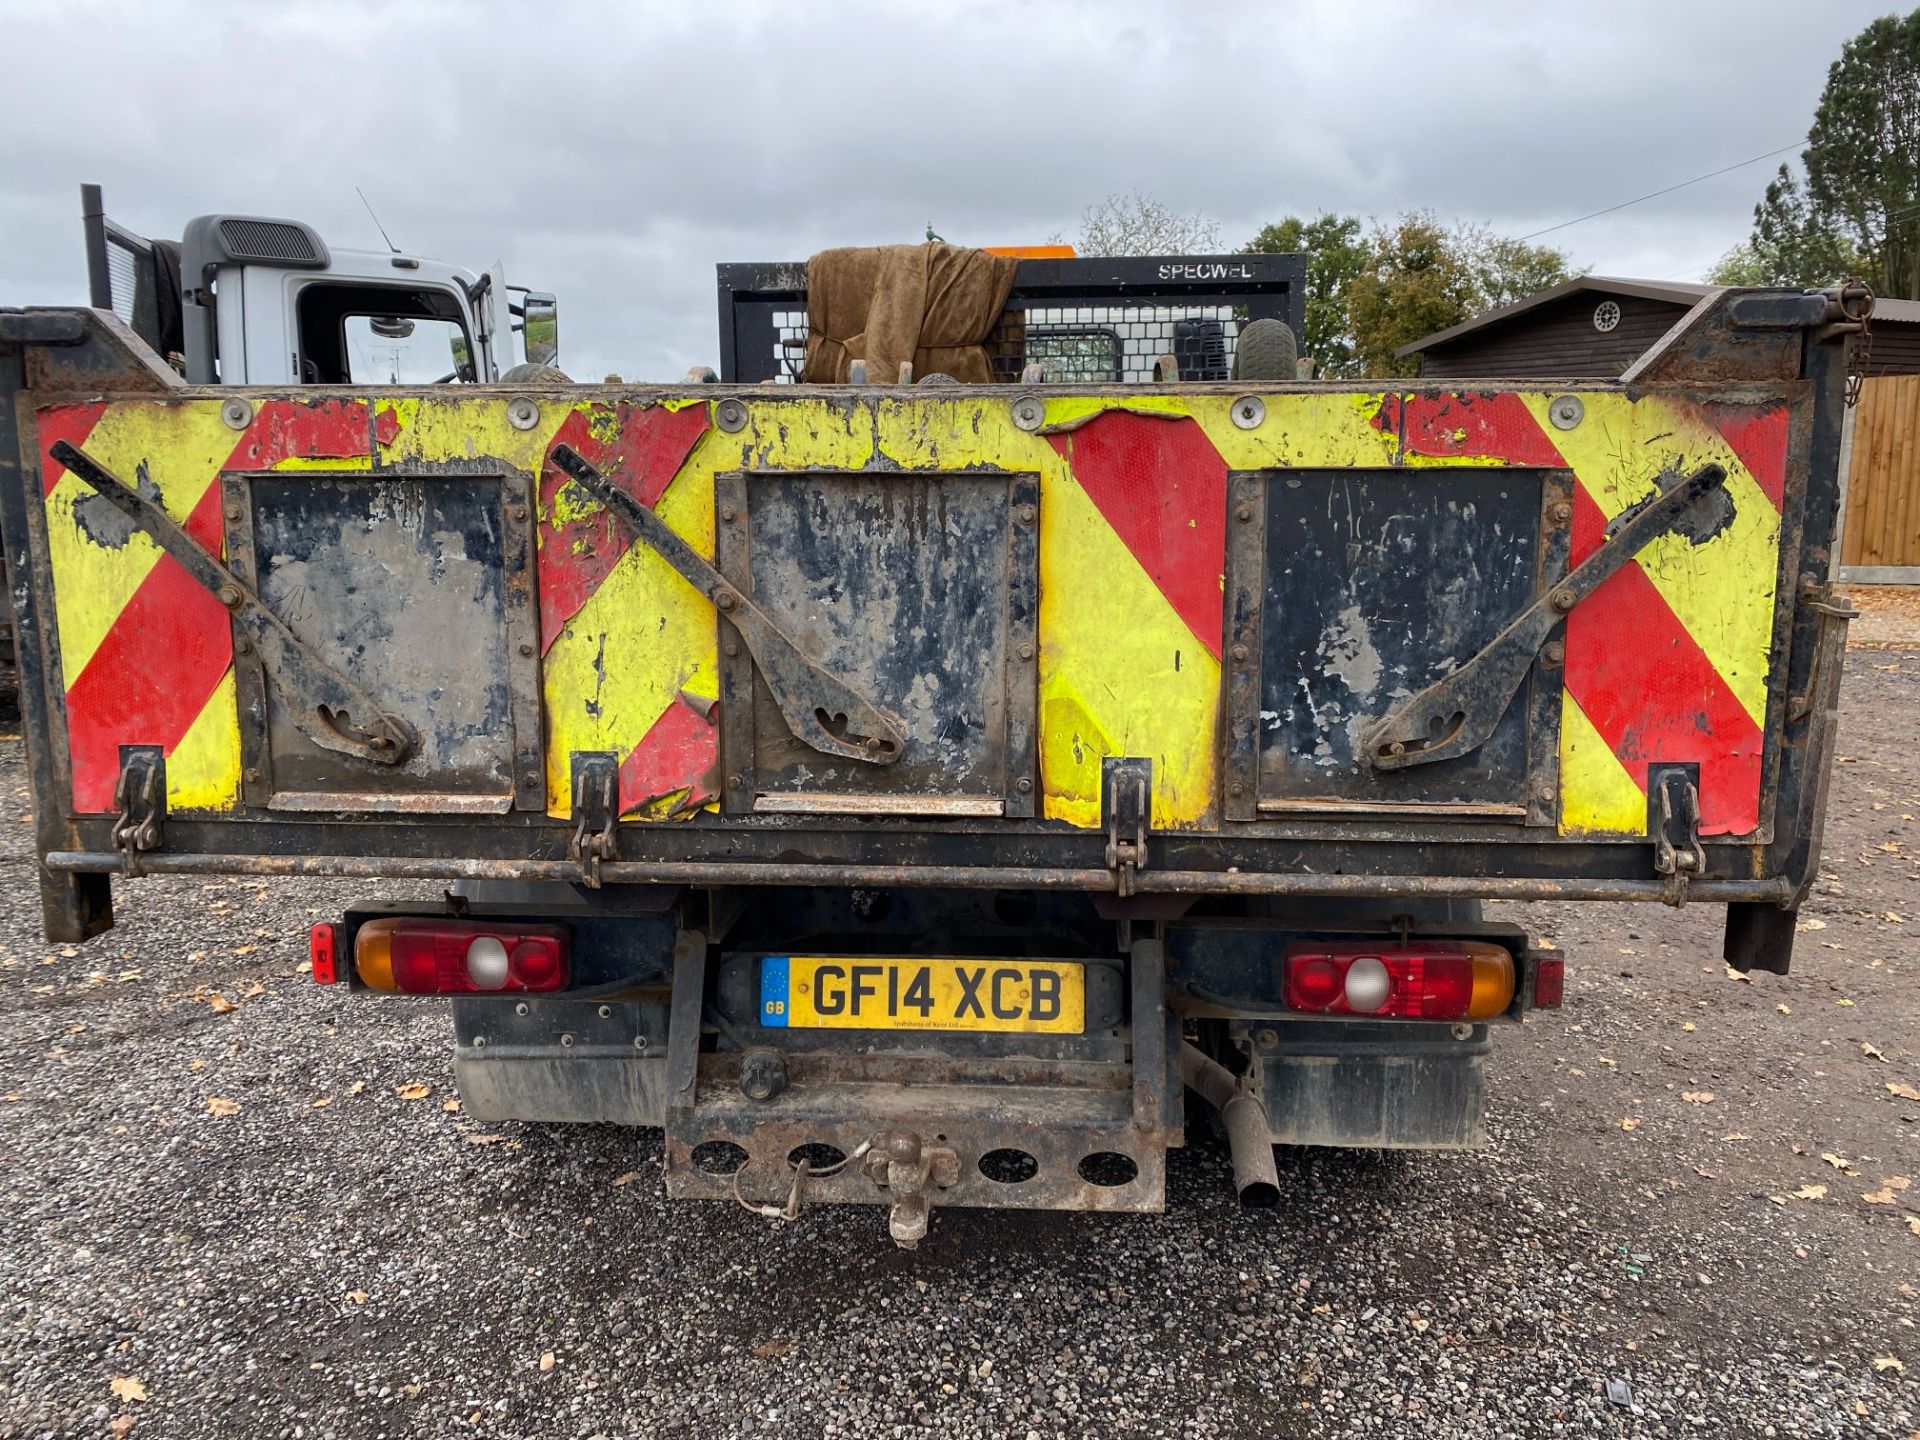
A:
{"points": [[907, 794]]}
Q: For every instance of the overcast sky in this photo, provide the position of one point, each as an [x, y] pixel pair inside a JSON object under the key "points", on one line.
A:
{"points": [[614, 153]]}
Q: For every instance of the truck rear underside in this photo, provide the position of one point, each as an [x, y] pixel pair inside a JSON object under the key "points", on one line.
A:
{"points": [[906, 794]]}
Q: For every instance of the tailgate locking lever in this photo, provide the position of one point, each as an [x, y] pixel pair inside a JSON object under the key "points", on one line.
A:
{"points": [[139, 803], [1460, 713], [323, 704], [821, 709]]}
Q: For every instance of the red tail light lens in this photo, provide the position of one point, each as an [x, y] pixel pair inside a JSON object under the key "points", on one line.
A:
{"points": [[320, 954], [1434, 980], [1549, 981], [442, 957]]}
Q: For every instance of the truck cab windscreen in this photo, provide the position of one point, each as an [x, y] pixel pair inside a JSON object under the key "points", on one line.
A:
{"points": [[378, 334]]}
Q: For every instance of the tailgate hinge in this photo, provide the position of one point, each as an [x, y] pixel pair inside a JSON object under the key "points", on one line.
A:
{"points": [[1128, 803], [140, 804], [1674, 792], [596, 811]]}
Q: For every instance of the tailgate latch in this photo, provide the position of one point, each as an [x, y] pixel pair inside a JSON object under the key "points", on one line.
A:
{"points": [[596, 811], [1677, 853], [1459, 714], [140, 803], [1128, 803]]}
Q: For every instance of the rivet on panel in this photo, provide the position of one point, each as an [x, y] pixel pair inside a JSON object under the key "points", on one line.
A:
{"points": [[730, 415], [522, 413], [236, 413]]}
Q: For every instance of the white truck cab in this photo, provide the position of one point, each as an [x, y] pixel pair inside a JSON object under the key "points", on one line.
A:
{"points": [[253, 300]]}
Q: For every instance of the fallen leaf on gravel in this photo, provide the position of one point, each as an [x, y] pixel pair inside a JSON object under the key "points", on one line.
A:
{"points": [[254, 991], [1811, 1192], [1740, 975], [1729, 1139], [452, 1107], [119, 1425], [1697, 1097], [1783, 1009], [1882, 1196], [1838, 1162], [1629, 1123], [772, 1349], [245, 949], [1896, 1182], [1893, 917], [415, 1091], [11, 1096], [221, 1005], [321, 1103], [129, 1387], [196, 1065], [1913, 1224], [626, 1179], [1903, 1090], [546, 1361], [1872, 1051], [1689, 1027], [358, 1087], [1811, 925], [1844, 1001], [1884, 1363], [127, 977], [216, 1105], [485, 1139]]}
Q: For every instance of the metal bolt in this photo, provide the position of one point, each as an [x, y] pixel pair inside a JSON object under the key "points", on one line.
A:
{"points": [[526, 647], [734, 782], [230, 596], [479, 1042], [1545, 792], [1556, 653], [1240, 652], [522, 413], [606, 1012], [1024, 786], [726, 599], [1028, 414], [1566, 412], [1249, 411], [566, 1041], [521, 1008], [242, 645], [253, 772], [1463, 1032], [1026, 652], [236, 414], [727, 513], [1564, 600], [1267, 1039], [1027, 512], [1561, 512], [732, 649], [1236, 789], [639, 1042], [730, 415], [529, 782], [233, 512], [1244, 513]]}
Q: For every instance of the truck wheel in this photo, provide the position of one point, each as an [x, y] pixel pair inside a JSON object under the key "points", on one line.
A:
{"points": [[1266, 351]]}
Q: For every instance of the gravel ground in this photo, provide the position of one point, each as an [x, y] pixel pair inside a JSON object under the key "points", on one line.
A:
{"points": [[230, 1210]]}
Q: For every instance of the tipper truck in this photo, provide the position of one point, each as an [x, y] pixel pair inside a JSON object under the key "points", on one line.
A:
{"points": [[910, 788]]}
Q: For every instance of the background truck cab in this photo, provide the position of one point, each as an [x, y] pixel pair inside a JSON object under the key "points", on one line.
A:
{"points": [[247, 300]]}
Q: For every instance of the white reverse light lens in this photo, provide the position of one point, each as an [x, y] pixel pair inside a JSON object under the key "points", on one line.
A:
{"points": [[1369, 984], [487, 963]]}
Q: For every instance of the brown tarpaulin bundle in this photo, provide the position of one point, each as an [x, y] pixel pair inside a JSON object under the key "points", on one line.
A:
{"points": [[932, 304]]}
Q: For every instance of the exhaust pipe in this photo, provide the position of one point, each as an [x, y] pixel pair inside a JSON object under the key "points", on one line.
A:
{"points": [[1249, 1139]]}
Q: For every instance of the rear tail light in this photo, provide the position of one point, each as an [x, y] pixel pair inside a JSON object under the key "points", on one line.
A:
{"points": [[443, 957], [1549, 981], [320, 954], [1434, 980]]}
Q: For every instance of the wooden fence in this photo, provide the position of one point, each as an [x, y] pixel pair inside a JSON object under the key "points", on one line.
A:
{"points": [[1882, 522]]}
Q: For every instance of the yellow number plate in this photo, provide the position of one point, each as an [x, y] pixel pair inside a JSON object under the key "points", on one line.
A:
{"points": [[1047, 997]]}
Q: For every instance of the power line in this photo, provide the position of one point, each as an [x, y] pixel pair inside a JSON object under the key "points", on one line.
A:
{"points": [[1656, 194]]}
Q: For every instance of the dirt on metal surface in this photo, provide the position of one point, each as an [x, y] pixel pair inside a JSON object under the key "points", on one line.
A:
{"points": [[263, 1212]]}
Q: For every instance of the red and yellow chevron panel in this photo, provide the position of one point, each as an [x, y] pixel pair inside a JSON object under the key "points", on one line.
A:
{"points": [[1667, 663]]}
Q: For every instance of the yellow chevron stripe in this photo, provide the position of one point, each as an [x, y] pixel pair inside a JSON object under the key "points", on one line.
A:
{"points": [[1722, 591], [1301, 431], [203, 770], [1597, 795], [182, 444]]}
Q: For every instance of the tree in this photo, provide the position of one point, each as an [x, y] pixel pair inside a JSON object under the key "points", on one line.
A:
{"points": [[1139, 225], [1863, 151], [1792, 244], [1335, 252], [1421, 277]]}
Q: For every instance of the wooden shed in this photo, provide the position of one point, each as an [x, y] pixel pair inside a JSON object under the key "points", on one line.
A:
{"points": [[1596, 326]]}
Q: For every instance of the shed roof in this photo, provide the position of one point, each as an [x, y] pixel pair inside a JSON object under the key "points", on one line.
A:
{"points": [[1668, 290]]}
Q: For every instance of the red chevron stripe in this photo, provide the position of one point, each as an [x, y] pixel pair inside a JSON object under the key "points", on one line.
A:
{"points": [[680, 751], [72, 423], [168, 650], [1163, 488], [1758, 435], [1652, 693], [1466, 425], [640, 448]]}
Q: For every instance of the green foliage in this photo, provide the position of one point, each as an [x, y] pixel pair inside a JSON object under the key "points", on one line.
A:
{"points": [[1793, 244], [1335, 252]]}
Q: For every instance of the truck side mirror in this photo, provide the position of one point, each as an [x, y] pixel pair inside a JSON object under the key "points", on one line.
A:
{"points": [[540, 329]]}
